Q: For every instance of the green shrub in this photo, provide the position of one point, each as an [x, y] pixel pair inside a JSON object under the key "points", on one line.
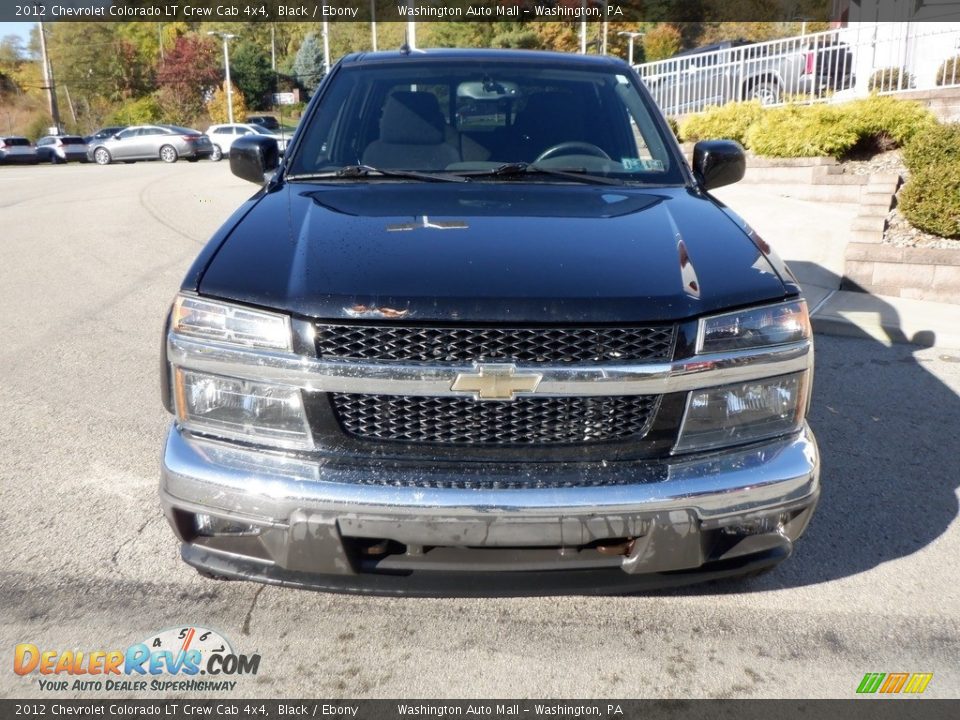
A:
{"points": [[949, 71], [730, 121], [674, 126], [935, 145], [803, 131], [876, 123], [931, 199], [138, 112], [885, 122], [890, 78]]}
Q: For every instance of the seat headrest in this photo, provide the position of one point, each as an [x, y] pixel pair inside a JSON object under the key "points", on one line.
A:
{"points": [[412, 118]]}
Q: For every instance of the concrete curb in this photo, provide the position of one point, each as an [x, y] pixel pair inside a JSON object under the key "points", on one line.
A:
{"points": [[889, 320]]}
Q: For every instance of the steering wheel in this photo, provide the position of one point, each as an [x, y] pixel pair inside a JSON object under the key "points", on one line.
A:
{"points": [[565, 148]]}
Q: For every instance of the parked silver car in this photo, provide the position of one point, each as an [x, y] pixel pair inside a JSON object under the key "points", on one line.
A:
{"points": [[17, 150], [61, 148], [152, 142], [222, 137]]}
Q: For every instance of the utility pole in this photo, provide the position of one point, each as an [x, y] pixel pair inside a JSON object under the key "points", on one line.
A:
{"points": [[226, 37], [73, 112], [160, 40], [273, 47], [373, 24], [48, 79]]}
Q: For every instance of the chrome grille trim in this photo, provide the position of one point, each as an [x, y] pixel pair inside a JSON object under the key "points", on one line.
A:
{"points": [[382, 378], [534, 345], [524, 421]]}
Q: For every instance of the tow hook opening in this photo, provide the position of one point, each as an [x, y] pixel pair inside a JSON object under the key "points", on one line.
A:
{"points": [[615, 546], [760, 526]]}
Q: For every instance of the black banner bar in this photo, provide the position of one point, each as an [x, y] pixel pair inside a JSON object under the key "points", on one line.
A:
{"points": [[473, 10], [874, 708]]}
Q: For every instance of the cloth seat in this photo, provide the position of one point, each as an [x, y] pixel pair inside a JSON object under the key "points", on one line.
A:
{"points": [[412, 135]]}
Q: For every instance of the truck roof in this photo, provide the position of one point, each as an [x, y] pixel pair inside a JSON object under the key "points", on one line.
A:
{"points": [[447, 54]]}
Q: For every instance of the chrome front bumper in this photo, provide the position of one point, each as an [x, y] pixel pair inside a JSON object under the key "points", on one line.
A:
{"points": [[690, 514]]}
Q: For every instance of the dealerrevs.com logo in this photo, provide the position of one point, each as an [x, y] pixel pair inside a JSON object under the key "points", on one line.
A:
{"points": [[169, 661]]}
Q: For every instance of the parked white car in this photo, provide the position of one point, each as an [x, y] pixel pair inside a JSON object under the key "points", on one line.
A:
{"points": [[222, 137]]}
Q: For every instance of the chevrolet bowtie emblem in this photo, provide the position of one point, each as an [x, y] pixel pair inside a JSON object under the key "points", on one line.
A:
{"points": [[496, 382]]}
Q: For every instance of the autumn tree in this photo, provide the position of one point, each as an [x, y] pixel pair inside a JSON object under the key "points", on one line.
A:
{"points": [[94, 59], [217, 105], [12, 55], [187, 76], [661, 42]]}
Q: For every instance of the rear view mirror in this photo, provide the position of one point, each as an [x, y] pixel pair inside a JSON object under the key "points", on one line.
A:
{"points": [[252, 157], [718, 162]]}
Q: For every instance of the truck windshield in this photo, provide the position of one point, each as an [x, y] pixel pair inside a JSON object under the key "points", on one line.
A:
{"points": [[471, 118]]}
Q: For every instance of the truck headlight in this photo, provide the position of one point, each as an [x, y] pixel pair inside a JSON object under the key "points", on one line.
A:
{"points": [[769, 325], [223, 322], [743, 412], [241, 409]]}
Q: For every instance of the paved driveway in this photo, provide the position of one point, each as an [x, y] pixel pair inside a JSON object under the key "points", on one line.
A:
{"points": [[88, 561]]}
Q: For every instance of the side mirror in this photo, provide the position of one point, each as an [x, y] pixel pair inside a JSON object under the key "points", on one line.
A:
{"points": [[253, 156], [718, 162]]}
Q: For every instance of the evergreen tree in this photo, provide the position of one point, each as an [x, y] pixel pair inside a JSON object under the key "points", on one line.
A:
{"points": [[308, 64], [250, 72]]}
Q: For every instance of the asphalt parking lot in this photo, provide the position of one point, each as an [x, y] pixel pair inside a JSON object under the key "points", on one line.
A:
{"points": [[91, 257]]}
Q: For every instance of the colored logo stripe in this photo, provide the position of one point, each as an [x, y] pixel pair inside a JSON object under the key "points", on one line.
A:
{"points": [[870, 682], [894, 683], [918, 682]]}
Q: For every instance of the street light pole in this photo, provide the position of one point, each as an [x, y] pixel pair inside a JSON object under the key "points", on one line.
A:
{"points": [[631, 36], [226, 37]]}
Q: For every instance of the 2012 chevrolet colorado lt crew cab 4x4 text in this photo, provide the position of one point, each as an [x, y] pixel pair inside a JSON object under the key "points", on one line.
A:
{"points": [[484, 330]]}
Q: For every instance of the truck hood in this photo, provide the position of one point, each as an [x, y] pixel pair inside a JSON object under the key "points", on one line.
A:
{"points": [[496, 252]]}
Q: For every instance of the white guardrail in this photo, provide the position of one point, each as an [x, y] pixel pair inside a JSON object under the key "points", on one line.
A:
{"points": [[837, 64]]}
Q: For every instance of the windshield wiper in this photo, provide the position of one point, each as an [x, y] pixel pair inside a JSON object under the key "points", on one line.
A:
{"points": [[363, 171], [518, 169]]}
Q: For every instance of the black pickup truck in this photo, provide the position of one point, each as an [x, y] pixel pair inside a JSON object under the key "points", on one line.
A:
{"points": [[484, 330]]}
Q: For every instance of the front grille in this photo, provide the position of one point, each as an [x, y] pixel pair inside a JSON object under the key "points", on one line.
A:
{"points": [[488, 344], [523, 421]]}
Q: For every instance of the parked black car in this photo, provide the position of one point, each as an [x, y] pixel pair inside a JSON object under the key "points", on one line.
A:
{"points": [[267, 121], [518, 349], [103, 133]]}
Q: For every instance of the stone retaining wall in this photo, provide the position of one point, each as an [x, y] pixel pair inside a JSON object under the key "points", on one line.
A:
{"points": [[918, 273]]}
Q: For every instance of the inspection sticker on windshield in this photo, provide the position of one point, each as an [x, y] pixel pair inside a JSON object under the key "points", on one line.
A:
{"points": [[639, 164]]}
